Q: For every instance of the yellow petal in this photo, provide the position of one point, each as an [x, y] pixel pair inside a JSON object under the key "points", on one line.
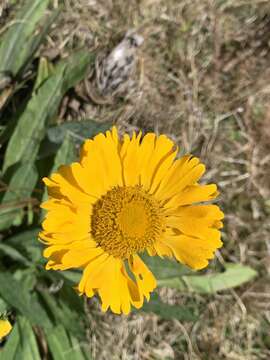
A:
{"points": [[5, 328], [66, 222], [63, 183], [209, 214], [162, 249], [93, 267], [77, 254], [102, 162], [162, 169], [195, 227], [146, 162], [132, 159], [184, 172], [88, 180], [79, 258], [145, 279], [106, 276], [193, 194], [191, 251], [117, 289], [153, 160]]}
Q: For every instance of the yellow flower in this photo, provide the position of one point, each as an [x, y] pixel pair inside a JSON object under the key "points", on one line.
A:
{"points": [[124, 197], [5, 328]]}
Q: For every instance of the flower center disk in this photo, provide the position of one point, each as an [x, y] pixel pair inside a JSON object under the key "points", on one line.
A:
{"points": [[127, 220]]}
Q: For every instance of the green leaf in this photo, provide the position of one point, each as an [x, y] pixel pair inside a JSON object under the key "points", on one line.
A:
{"points": [[13, 253], [234, 275], [73, 276], [3, 307], [165, 268], [25, 141], [27, 244], [27, 341], [13, 52], [17, 296], [80, 349], [21, 343], [168, 312], [79, 131], [21, 184], [66, 153], [45, 70], [34, 42], [61, 347], [58, 342], [11, 216], [27, 277], [17, 196], [65, 310], [75, 67]]}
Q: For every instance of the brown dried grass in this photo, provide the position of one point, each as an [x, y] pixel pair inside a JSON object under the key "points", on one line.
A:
{"points": [[205, 82]]}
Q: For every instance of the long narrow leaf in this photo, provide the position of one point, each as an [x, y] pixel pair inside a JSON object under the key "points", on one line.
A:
{"points": [[28, 341], [12, 44], [165, 268], [26, 244], [25, 141], [234, 275], [18, 297], [20, 188], [62, 348]]}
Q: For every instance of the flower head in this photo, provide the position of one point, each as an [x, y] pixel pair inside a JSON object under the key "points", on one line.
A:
{"points": [[5, 328], [124, 197]]}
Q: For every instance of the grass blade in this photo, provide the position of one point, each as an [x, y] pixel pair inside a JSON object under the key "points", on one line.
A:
{"points": [[25, 141], [18, 195], [61, 347], [12, 53], [26, 303], [28, 341]]}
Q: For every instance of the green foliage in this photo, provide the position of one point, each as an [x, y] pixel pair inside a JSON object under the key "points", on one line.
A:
{"points": [[77, 130], [41, 110], [170, 273], [20, 41], [233, 276], [65, 347], [20, 187], [166, 268]]}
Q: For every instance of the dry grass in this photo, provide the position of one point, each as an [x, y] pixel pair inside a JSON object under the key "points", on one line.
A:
{"points": [[205, 82]]}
